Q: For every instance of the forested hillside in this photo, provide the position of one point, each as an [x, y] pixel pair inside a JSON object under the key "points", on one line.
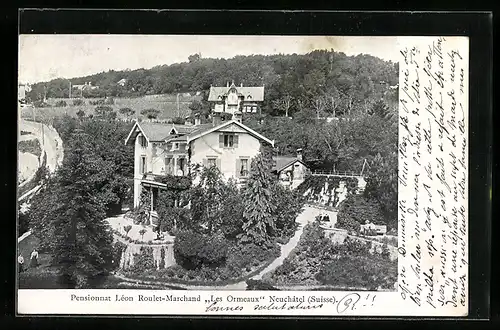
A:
{"points": [[322, 81]]}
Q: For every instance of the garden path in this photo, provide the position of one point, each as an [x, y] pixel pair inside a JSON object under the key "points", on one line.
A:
{"points": [[307, 215]]}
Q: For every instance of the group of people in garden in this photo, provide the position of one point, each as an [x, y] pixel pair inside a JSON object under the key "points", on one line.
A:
{"points": [[33, 260]]}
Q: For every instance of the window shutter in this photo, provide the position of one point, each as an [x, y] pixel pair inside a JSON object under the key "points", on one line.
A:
{"points": [[221, 140], [235, 141], [218, 163], [238, 167]]}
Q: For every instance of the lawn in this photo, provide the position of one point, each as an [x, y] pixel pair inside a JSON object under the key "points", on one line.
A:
{"points": [[167, 104]]}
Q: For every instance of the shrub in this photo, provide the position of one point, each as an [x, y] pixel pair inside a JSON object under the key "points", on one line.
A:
{"points": [[369, 272], [31, 146], [104, 111], [61, 103], [40, 104], [168, 216], [150, 113], [78, 102], [246, 255], [97, 102], [80, 113], [162, 261], [126, 111], [179, 120], [109, 101], [127, 228], [357, 210], [118, 248], [144, 260], [193, 250], [288, 206]]}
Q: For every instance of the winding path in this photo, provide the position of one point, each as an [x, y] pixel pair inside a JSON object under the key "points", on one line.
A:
{"points": [[308, 214]]}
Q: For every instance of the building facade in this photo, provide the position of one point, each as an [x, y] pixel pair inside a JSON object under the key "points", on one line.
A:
{"points": [[168, 149], [232, 99], [291, 171]]}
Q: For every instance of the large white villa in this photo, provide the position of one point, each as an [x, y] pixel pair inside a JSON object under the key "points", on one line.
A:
{"points": [[169, 149]]}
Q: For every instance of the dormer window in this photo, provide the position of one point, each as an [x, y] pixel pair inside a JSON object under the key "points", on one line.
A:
{"points": [[173, 131]]}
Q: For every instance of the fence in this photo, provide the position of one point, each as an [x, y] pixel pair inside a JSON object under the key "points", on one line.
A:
{"points": [[336, 173]]}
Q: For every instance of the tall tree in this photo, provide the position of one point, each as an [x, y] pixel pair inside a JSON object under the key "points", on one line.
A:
{"points": [[258, 205], [70, 219]]}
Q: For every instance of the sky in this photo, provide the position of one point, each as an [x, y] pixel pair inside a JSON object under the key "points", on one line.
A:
{"points": [[46, 57]]}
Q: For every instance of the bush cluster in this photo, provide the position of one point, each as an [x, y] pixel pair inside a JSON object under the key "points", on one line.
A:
{"points": [[240, 261], [144, 260], [318, 261], [357, 210], [31, 146], [118, 248], [193, 250]]}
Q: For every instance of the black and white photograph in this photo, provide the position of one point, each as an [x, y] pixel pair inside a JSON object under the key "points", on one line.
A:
{"points": [[208, 162], [242, 174]]}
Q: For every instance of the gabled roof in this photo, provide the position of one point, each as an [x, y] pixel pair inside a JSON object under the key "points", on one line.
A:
{"points": [[283, 162], [156, 132], [160, 132], [208, 128], [184, 129], [153, 132], [249, 93]]}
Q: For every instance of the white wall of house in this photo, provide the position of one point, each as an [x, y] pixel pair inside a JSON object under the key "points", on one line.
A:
{"points": [[208, 146]]}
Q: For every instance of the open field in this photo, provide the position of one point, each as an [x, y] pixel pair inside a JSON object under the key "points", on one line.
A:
{"points": [[167, 104]]}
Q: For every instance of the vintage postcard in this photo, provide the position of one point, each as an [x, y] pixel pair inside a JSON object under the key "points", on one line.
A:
{"points": [[243, 175]]}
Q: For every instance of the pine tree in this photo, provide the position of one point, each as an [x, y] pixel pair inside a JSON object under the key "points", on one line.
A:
{"points": [[81, 241], [258, 202]]}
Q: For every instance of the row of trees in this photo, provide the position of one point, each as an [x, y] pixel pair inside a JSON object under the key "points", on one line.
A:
{"points": [[67, 215], [326, 81]]}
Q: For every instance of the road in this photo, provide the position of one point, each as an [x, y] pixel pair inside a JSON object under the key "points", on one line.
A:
{"points": [[49, 139]]}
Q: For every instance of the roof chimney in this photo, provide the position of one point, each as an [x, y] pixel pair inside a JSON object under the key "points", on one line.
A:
{"points": [[241, 85], [216, 118], [227, 83], [299, 154]]}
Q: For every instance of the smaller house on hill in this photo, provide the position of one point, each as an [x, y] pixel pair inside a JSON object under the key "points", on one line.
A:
{"points": [[86, 86], [233, 99], [122, 82], [291, 171]]}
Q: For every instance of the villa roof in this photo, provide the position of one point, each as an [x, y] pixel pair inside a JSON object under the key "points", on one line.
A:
{"points": [[283, 162], [249, 93], [160, 132], [208, 128]]}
